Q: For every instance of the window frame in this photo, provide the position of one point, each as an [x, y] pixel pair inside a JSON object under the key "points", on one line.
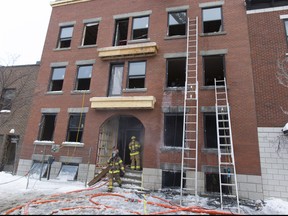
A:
{"points": [[67, 39], [43, 127], [285, 22], [183, 77], [52, 81], [169, 128], [206, 81], [141, 29], [79, 128], [170, 25], [6, 100], [86, 31], [221, 20], [208, 134], [112, 79], [141, 76], [82, 81]]}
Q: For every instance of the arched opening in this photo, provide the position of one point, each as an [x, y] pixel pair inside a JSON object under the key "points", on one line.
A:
{"points": [[116, 132]]}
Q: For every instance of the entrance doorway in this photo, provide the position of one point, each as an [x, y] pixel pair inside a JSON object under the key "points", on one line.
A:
{"points": [[117, 132]]}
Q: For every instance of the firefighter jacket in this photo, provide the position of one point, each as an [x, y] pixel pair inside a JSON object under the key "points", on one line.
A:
{"points": [[115, 165], [134, 147]]}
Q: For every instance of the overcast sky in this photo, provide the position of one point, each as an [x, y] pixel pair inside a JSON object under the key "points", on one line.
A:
{"points": [[23, 27]]}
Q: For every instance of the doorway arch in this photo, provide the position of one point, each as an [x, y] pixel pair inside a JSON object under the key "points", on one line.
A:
{"points": [[116, 131]]}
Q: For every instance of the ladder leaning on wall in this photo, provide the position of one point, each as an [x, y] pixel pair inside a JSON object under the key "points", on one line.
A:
{"points": [[189, 161], [226, 161]]}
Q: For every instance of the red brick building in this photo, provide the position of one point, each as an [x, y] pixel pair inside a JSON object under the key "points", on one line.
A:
{"points": [[113, 69]]}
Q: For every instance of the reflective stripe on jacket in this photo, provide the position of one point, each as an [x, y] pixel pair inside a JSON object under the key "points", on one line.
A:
{"points": [[115, 165], [134, 148]]}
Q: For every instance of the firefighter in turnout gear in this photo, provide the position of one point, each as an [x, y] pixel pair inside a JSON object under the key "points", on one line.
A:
{"points": [[116, 168], [134, 147]]}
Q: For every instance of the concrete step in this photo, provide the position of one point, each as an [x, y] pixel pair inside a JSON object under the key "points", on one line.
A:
{"points": [[132, 178]]}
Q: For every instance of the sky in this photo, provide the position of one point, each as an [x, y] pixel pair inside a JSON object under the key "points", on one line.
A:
{"points": [[23, 27], [28, 195]]}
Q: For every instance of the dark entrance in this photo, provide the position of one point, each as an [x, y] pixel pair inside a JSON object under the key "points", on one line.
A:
{"points": [[128, 126]]}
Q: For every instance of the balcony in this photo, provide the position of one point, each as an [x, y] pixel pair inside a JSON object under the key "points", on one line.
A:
{"points": [[128, 51], [132, 102]]}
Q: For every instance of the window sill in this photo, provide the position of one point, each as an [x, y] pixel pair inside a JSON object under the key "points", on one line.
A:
{"points": [[138, 41], [213, 34], [127, 90], [87, 46], [54, 92], [210, 150], [174, 88], [170, 149], [5, 112], [175, 37], [80, 92], [211, 87], [73, 144], [43, 142], [62, 49]]}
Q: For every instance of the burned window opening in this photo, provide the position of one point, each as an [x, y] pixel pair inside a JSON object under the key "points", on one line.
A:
{"points": [[121, 32], [75, 127], [214, 68], [65, 37], [90, 34], [136, 75], [212, 20], [177, 23], [57, 79], [176, 72], [212, 183], [84, 77], [47, 126], [173, 129], [172, 179], [140, 28], [210, 130]]}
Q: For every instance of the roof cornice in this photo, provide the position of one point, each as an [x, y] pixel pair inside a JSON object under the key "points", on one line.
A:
{"points": [[57, 3]]}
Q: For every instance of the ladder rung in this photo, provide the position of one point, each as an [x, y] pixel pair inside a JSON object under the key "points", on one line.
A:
{"points": [[189, 168], [189, 149], [227, 184], [226, 163]]}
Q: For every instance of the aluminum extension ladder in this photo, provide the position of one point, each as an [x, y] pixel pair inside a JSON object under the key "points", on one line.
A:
{"points": [[226, 161], [189, 161]]}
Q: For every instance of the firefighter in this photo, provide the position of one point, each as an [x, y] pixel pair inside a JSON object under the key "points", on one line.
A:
{"points": [[116, 168], [134, 147]]}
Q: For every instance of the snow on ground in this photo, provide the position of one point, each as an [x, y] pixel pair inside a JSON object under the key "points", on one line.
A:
{"points": [[31, 196]]}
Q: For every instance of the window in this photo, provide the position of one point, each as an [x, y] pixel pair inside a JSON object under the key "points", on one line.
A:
{"points": [[140, 28], [7, 97], [177, 23], [75, 127], [65, 37], [210, 130], [286, 28], [171, 179], [90, 34], [116, 76], [57, 79], [121, 32], [176, 72], [68, 172], [212, 20], [136, 75], [47, 126], [212, 183], [83, 77], [213, 68], [173, 129]]}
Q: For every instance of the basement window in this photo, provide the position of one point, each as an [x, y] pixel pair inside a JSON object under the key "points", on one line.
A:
{"points": [[68, 172], [38, 169], [75, 127], [177, 23], [136, 75], [121, 32], [90, 34], [171, 179], [116, 77], [210, 130], [213, 69], [212, 20], [65, 37], [83, 77], [173, 129], [176, 72], [8, 94], [47, 126], [140, 28], [57, 79], [212, 184]]}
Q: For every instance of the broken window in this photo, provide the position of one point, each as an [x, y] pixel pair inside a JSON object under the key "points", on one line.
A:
{"points": [[8, 94], [47, 126], [38, 169], [177, 23], [136, 75], [212, 20], [65, 37], [213, 68], [140, 28], [173, 129], [68, 172], [83, 77], [210, 130], [75, 127], [171, 179], [116, 77], [57, 79], [121, 32], [212, 183], [90, 34], [176, 72], [286, 29]]}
